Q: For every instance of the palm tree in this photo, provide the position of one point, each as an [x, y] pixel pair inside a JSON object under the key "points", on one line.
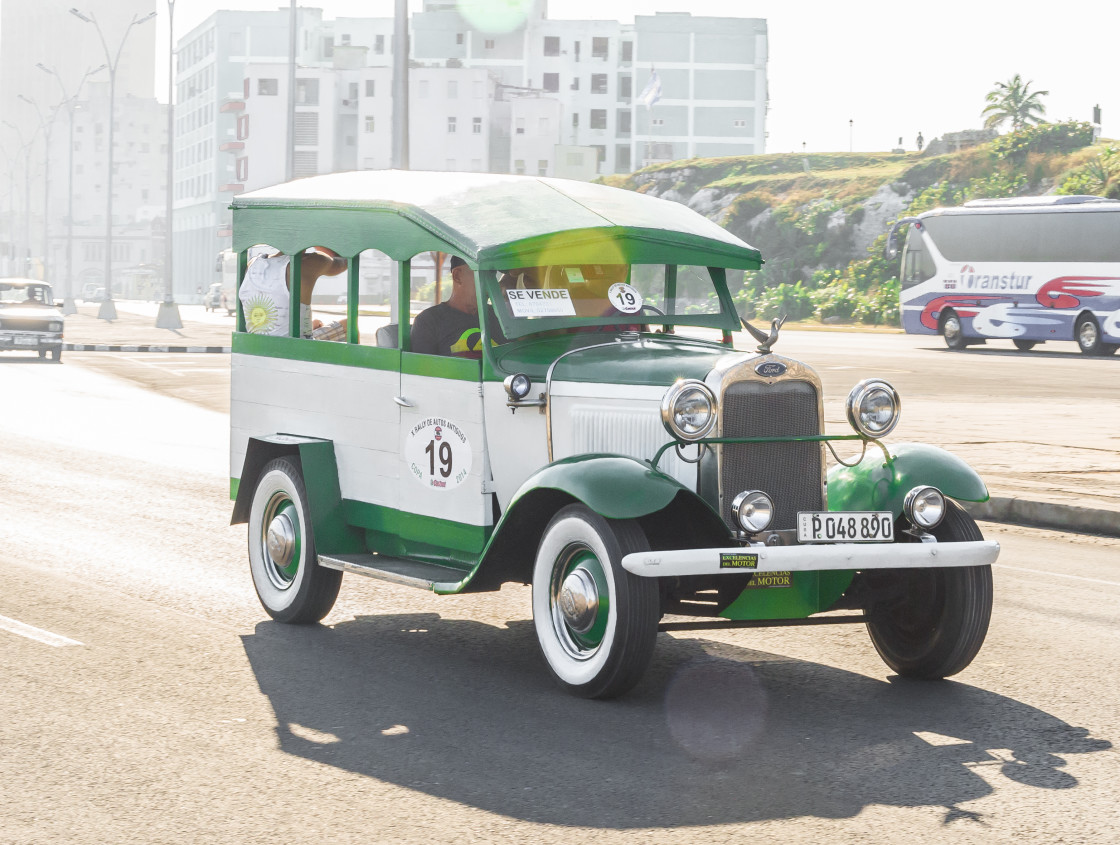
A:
{"points": [[1013, 101]]}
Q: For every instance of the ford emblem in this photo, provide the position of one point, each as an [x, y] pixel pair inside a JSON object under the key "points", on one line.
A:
{"points": [[770, 369]]}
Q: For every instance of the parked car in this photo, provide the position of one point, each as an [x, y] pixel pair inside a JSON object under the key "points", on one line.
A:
{"points": [[29, 319], [607, 445], [217, 299]]}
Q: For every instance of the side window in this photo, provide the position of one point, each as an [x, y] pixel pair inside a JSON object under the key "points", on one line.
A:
{"points": [[444, 313], [378, 303], [917, 263]]}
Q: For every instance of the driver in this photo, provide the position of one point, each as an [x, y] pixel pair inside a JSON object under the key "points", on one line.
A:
{"points": [[451, 327]]}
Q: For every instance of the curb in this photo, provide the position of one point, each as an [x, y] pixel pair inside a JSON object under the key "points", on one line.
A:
{"points": [[151, 347], [1047, 515]]}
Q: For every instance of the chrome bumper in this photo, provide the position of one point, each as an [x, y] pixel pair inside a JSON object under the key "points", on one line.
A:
{"points": [[747, 559]]}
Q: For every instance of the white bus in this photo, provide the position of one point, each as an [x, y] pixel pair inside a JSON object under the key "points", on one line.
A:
{"points": [[1027, 270]]}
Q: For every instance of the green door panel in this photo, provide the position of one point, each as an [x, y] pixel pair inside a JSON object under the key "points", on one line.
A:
{"points": [[769, 597], [875, 485]]}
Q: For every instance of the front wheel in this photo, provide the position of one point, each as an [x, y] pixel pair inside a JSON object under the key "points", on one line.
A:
{"points": [[290, 584], [952, 331], [596, 623], [1088, 335], [930, 623]]}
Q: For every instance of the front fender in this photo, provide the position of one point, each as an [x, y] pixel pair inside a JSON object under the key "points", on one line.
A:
{"points": [[876, 485], [614, 486]]}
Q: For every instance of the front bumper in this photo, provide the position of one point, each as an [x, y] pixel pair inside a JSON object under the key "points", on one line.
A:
{"points": [[738, 560], [30, 340]]}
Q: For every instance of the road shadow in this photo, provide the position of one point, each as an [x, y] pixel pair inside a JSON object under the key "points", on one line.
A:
{"points": [[714, 734]]}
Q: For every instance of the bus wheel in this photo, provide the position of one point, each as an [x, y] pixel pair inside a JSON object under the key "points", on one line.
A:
{"points": [[1088, 335], [290, 584], [596, 623], [930, 623], [1025, 345], [952, 332]]}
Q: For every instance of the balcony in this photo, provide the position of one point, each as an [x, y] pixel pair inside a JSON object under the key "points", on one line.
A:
{"points": [[231, 146], [232, 106], [231, 188]]}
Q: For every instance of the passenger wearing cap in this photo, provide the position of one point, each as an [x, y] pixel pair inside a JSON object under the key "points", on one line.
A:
{"points": [[451, 327]]}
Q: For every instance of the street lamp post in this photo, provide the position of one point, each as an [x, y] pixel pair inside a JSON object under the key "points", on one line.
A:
{"points": [[70, 102], [25, 148], [108, 310], [168, 316], [44, 125]]}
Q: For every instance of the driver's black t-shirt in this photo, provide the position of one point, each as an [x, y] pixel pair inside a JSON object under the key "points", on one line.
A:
{"points": [[444, 330]]}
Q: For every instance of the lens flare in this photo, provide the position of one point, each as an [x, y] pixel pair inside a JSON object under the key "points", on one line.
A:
{"points": [[715, 709]]}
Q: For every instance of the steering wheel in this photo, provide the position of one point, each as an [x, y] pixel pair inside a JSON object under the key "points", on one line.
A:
{"points": [[653, 309]]}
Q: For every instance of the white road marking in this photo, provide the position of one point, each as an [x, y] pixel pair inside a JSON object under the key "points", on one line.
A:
{"points": [[1058, 574], [31, 633], [152, 366]]}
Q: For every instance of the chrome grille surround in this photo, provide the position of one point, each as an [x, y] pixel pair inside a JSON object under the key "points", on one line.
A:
{"points": [[753, 405]]}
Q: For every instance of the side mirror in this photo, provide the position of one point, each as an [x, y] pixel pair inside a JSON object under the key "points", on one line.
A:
{"points": [[891, 250]]}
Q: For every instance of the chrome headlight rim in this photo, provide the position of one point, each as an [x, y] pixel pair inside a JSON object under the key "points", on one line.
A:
{"points": [[518, 386], [679, 389], [746, 509], [862, 392], [917, 507]]}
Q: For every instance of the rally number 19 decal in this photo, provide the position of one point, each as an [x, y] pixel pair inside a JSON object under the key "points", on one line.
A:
{"points": [[438, 453]]}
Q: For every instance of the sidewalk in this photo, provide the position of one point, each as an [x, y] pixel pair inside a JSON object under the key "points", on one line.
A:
{"points": [[1064, 488]]}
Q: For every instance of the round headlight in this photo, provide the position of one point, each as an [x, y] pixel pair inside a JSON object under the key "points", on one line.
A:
{"points": [[518, 386], [924, 507], [689, 409], [754, 510], [54, 327], [873, 408]]}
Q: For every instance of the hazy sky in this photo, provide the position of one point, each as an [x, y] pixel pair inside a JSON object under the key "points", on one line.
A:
{"points": [[891, 68]]}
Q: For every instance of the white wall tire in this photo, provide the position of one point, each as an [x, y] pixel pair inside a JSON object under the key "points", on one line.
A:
{"points": [[290, 584], [596, 623]]}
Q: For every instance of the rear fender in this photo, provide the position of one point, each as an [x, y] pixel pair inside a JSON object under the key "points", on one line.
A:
{"points": [[876, 485], [316, 461]]}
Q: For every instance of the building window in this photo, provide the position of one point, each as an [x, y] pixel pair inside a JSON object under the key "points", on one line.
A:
{"points": [[307, 92], [622, 158], [552, 82], [268, 87], [345, 38], [739, 124], [627, 51], [575, 120], [575, 83], [542, 167], [379, 44], [458, 38], [623, 122], [328, 47], [476, 126], [598, 119], [552, 45], [369, 88], [242, 127], [245, 88], [305, 163], [625, 91], [520, 126], [489, 44], [352, 88], [519, 166], [243, 169], [369, 123], [450, 125], [452, 89], [599, 47], [598, 83], [601, 152]]}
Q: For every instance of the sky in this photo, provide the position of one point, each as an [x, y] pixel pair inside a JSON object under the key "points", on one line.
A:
{"points": [[863, 74]]}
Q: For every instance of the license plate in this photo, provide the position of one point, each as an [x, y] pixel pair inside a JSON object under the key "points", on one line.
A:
{"points": [[26, 341], [845, 527]]}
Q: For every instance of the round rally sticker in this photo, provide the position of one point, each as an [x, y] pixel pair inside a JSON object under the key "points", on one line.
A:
{"points": [[438, 453], [625, 298]]}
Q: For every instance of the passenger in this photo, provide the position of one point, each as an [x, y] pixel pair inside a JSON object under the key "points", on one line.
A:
{"points": [[265, 299], [451, 327]]}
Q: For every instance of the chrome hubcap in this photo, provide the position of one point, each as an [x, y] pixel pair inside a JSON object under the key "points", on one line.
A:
{"points": [[281, 539], [579, 600], [952, 328], [1088, 334]]}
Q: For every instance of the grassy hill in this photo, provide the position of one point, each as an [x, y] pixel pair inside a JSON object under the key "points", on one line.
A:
{"points": [[821, 219]]}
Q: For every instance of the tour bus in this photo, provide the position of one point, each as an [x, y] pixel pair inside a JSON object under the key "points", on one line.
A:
{"points": [[602, 439], [1028, 270]]}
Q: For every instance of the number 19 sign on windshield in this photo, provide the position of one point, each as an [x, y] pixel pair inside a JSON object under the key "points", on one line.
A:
{"points": [[438, 453]]}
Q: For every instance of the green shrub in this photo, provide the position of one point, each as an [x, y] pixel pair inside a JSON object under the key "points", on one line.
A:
{"points": [[1043, 138]]}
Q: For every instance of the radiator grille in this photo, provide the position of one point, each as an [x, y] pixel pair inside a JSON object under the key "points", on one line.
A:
{"points": [[789, 472], [26, 324]]}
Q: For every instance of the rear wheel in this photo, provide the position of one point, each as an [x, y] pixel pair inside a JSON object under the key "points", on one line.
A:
{"points": [[1088, 335], [952, 331], [56, 355], [596, 623], [1025, 345], [290, 584], [930, 623]]}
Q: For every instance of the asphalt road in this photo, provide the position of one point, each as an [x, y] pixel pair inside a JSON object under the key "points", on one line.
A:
{"points": [[172, 712]]}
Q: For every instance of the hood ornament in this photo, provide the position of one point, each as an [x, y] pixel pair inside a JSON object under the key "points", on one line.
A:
{"points": [[765, 341]]}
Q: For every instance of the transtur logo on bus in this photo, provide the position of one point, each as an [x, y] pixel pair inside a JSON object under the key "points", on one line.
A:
{"points": [[439, 433], [969, 278]]}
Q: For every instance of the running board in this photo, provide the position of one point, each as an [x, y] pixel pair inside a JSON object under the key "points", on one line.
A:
{"points": [[410, 573]]}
